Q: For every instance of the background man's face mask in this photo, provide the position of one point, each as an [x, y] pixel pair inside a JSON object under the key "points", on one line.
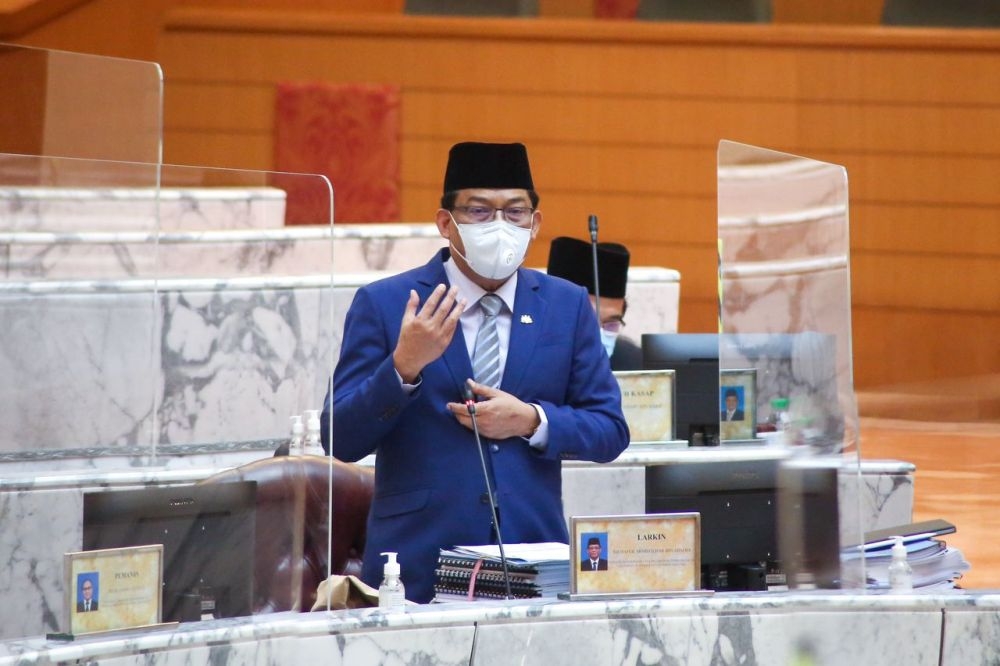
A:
{"points": [[608, 339]]}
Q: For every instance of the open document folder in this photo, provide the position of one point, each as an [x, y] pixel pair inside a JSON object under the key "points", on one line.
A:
{"points": [[476, 572]]}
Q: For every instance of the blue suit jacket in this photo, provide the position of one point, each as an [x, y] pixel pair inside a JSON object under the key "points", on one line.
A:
{"points": [[429, 487]]}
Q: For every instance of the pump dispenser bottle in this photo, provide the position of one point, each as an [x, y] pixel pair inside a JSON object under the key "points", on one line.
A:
{"points": [[900, 572], [391, 595], [312, 444], [295, 443]]}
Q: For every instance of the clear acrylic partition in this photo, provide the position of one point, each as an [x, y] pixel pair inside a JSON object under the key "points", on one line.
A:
{"points": [[247, 343], [247, 338], [165, 335], [75, 131], [62, 104], [78, 324], [160, 326], [785, 315]]}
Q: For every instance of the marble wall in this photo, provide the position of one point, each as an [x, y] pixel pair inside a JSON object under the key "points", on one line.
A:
{"points": [[128, 209], [191, 364], [197, 361]]}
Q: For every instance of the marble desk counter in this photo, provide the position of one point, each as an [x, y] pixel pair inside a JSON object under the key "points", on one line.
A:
{"points": [[764, 629], [872, 495], [45, 491]]}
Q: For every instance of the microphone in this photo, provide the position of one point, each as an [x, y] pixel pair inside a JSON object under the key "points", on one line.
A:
{"points": [[592, 224], [470, 404]]}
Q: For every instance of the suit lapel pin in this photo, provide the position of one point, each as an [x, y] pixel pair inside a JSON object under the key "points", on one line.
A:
{"points": [[526, 319]]}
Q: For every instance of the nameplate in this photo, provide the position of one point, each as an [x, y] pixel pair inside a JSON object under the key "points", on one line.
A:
{"points": [[641, 554], [648, 404], [108, 590]]}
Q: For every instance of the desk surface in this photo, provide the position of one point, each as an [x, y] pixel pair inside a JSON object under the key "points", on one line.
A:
{"points": [[761, 628]]}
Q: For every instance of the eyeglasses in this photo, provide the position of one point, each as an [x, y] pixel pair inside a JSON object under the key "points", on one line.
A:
{"points": [[519, 215], [613, 325]]}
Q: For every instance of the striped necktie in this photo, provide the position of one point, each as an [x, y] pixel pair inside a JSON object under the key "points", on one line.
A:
{"points": [[486, 357]]}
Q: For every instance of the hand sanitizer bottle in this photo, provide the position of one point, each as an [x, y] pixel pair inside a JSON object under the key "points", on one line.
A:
{"points": [[313, 445], [900, 572], [391, 595], [295, 443]]}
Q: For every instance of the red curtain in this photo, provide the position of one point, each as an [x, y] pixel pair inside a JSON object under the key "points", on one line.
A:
{"points": [[616, 9], [347, 132]]}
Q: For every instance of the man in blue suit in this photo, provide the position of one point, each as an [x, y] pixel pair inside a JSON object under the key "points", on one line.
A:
{"points": [[407, 356]]}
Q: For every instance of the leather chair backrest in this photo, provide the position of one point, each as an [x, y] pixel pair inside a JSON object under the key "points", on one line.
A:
{"points": [[293, 500]]}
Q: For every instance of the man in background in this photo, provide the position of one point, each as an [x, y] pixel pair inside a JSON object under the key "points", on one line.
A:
{"points": [[572, 259], [412, 346]]}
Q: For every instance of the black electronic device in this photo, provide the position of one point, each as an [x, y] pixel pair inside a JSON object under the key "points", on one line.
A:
{"points": [[924, 529], [694, 358], [737, 500], [207, 532], [809, 515]]}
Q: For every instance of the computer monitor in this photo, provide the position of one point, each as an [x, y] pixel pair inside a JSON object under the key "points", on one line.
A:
{"points": [[207, 532], [694, 358], [737, 500], [809, 513]]}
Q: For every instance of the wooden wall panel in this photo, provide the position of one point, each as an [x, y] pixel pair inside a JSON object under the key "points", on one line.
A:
{"points": [[117, 28], [24, 78], [842, 11], [228, 150], [941, 344], [623, 120], [898, 228]]}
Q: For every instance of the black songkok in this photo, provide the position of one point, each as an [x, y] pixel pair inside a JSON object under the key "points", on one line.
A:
{"points": [[493, 166], [572, 259]]}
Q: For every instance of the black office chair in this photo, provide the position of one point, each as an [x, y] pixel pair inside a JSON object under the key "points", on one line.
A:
{"points": [[721, 11], [942, 13], [472, 7]]}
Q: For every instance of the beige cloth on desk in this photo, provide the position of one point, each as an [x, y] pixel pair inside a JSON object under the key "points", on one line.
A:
{"points": [[344, 592]]}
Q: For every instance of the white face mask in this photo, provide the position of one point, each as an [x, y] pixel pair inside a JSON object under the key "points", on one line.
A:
{"points": [[608, 339], [494, 249]]}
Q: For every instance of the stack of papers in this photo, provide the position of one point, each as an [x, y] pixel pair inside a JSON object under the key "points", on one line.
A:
{"points": [[476, 572], [935, 564]]}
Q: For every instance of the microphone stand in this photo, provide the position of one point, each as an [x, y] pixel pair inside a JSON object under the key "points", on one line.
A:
{"points": [[592, 223], [470, 404]]}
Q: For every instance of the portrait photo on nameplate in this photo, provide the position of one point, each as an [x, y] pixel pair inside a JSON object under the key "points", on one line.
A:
{"points": [[118, 588], [648, 404], [738, 405], [638, 554]]}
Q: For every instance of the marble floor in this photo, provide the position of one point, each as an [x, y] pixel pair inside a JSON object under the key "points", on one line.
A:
{"points": [[957, 462]]}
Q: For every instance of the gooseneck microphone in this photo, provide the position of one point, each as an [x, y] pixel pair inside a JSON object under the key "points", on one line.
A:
{"points": [[592, 223], [470, 404]]}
